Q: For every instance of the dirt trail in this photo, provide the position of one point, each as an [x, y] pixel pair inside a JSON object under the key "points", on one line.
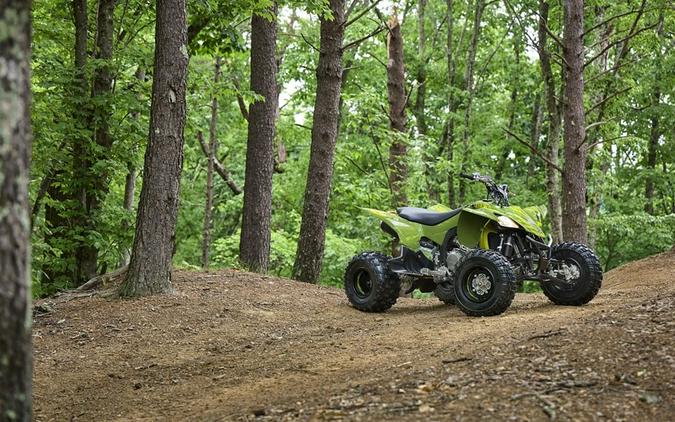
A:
{"points": [[236, 346]]}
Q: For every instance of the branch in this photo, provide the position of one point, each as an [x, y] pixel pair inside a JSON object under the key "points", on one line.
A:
{"points": [[607, 98], [240, 100], [360, 15], [532, 148], [612, 44], [309, 43], [218, 166], [360, 40], [350, 9], [608, 20], [42, 191], [594, 144], [376, 58]]}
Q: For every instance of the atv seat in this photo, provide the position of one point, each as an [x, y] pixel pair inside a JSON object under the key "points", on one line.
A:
{"points": [[424, 216]]}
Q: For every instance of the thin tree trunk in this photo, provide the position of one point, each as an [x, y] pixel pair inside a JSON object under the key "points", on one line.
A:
{"points": [[56, 270], [420, 103], [655, 130], [515, 85], [554, 126], [130, 180], [254, 245], [397, 118], [87, 254], [574, 174], [15, 147], [535, 134], [208, 209], [452, 106], [468, 79], [309, 257], [150, 266]]}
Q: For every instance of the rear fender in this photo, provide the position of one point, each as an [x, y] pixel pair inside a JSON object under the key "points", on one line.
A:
{"points": [[408, 233]]}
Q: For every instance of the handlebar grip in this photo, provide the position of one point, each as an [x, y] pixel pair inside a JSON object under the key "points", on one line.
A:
{"points": [[466, 176]]}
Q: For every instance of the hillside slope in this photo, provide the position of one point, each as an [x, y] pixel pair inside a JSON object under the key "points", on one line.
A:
{"points": [[230, 345]]}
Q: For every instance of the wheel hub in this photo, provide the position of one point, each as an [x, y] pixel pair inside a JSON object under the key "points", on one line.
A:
{"points": [[481, 284], [567, 271]]}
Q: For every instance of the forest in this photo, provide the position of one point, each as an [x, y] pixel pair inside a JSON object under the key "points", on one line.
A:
{"points": [[145, 137]]}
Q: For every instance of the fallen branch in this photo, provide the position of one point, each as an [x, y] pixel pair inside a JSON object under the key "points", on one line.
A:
{"points": [[103, 279]]}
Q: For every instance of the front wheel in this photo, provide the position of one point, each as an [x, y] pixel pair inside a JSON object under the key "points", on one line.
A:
{"points": [[485, 284], [369, 283], [579, 273]]}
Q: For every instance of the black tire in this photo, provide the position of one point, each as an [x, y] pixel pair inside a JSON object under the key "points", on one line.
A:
{"points": [[369, 283], [445, 293], [477, 266], [585, 285]]}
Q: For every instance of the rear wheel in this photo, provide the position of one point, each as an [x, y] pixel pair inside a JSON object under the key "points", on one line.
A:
{"points": [[579, 272], [369, 283], [445, 293], [485, 284]]}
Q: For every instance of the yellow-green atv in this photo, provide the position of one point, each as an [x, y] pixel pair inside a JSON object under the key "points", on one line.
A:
{"points": [[473, 257]]}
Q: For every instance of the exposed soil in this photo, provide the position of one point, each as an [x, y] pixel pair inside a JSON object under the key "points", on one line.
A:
{"points": [[230, 345]]}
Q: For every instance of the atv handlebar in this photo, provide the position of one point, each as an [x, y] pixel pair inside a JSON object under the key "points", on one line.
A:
{"points": [[498, 193]]}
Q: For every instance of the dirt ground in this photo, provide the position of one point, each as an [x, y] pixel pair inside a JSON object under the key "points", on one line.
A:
{"points": [[234, 346]]}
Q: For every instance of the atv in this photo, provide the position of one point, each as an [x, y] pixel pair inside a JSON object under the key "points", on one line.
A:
{"points": [[474, 256]]}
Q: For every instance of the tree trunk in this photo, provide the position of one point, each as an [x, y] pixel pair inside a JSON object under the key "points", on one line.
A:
{"points": [[15, 146], [56, 270], [574, 175], [655, 131], [452, 106], [554, 126], [208, 209], [468, 89], [254, 245], [309, 257], [397, 118], [150, 266], [515, 85], [97, 180], [535, 135], [130, 180]]}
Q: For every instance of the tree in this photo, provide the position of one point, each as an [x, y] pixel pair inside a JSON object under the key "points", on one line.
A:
{"points": [[469, 90], [309, 257], [211, 156], [254, 244], [15, 146], [152, 253], [397, 104], [574, 174], [553, 111], [97, 176]]}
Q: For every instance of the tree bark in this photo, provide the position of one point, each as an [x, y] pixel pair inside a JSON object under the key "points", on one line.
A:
{"points": [[397, 118], [150, 266], [208, 208], [554, 126], [254, 245], [468, 89], [309, 257], [97, 180], [15, 146], [574, 171]]}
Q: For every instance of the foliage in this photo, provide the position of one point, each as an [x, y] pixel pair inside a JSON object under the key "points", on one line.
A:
{"points": [[618, 166]]}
